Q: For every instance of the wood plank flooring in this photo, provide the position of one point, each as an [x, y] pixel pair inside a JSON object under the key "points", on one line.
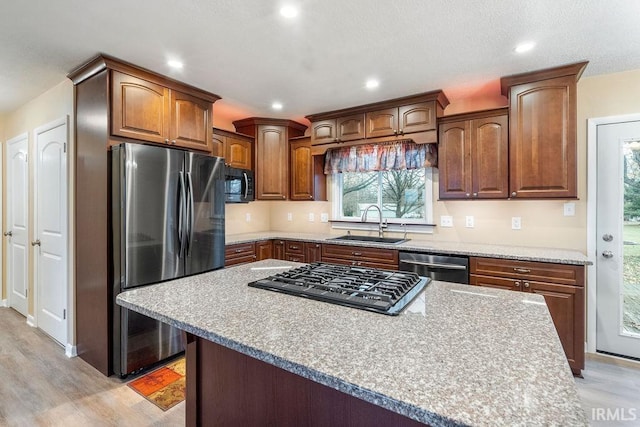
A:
{"points": [[40, 386]]}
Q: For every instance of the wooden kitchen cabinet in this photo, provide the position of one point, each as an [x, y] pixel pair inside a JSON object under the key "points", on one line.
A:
{"points": [[561, 285], [341, 129], [542, 132], [271, 154], [312, 252], [473, 155], [307, 179], [151, 112], [239, 253], [278, 249], [360, 256], [294, 251], [237, 149], [406, 119], [264, 250]]}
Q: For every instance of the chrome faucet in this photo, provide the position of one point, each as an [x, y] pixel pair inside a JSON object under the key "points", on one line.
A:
{"points": [[381, 226]]}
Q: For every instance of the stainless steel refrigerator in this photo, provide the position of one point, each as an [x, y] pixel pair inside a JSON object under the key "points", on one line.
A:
{"points": [[167, 222]]}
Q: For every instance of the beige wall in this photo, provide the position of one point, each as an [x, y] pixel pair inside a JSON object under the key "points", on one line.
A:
{"points": [[55, 103], [3, 292]]}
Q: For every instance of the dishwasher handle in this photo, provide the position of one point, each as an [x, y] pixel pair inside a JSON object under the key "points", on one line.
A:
{"points": [[436, 265]]}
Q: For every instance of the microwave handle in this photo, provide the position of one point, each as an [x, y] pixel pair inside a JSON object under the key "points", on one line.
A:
{"points": [[246, 184]]}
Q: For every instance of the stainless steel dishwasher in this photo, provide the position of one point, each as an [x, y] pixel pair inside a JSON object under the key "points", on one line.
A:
{"points": [[447, 268]]}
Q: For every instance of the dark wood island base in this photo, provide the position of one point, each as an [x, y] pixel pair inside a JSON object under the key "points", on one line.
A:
{"points": [[228, 388]]}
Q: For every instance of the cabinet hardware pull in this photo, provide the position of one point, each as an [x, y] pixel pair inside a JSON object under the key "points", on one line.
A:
{"points": [[173, 142], [468, 194], [526, 284], [166, 141], [239, 250], [521, 270], [356, 253], [514, 194], [475, 194], [517, 284], [294, 247]]}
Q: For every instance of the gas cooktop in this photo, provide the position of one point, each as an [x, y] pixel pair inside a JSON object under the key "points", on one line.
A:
{"points": [[382, 291]]}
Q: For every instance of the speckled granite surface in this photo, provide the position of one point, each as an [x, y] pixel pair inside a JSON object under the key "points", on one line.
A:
{"points": [[523, 253], [458, 355]]}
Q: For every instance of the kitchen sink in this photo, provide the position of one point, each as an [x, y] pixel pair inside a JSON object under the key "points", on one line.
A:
{"points": [[392, 240]]}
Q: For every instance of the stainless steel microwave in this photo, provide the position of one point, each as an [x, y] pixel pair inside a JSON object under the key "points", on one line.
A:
{"points": [[238, 185]]}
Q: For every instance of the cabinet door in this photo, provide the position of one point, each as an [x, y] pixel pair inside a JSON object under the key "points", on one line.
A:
{"points": [[419, 117], [238, 152], [264, 250], [272, 163], [139, 109], [301, 171], [239, 253], [566, 306], [490, 157], [278, 249], [351, 127], [218, 146], [312, 252], [454, 160], [324, 132], [190, 122], [382, 123], [542, 139]]}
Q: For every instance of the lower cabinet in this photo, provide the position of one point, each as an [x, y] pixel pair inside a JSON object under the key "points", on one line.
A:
{"points": [[294, 251], [264, 250], [312, 252], [356, 255], [278, 249], [239, 253], [561, 285]]}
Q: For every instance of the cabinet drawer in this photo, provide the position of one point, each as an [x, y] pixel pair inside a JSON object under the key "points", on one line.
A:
{"points": [[293, 248], [295, 257], [534, 271], [389, 258], [239, 253], [494, 282]]}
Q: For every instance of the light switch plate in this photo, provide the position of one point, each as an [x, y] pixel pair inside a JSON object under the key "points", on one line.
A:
{"points": [[289, 216], [247, 217], [516, 223], [312, 217], [469, 223], [446, 221], [324, 217], [569, 209]]}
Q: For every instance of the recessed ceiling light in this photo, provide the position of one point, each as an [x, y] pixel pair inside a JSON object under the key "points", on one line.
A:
{"points": [[372, 84], [175, 64], [276, 106], [524, 47], [289, 11]]}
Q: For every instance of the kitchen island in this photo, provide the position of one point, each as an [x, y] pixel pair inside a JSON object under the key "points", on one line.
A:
{"points": [[456, 356]]}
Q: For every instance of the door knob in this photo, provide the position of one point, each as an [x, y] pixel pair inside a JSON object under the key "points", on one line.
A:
{"points": [[8, 233], [607, 237], [607, 254], [35, 242]]}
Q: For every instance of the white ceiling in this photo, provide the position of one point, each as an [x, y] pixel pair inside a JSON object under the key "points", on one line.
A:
{"points": [[244, 51]]}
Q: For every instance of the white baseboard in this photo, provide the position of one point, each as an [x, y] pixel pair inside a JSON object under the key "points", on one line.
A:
{"points": [[70, 351], [31, 321], [4, 303]]}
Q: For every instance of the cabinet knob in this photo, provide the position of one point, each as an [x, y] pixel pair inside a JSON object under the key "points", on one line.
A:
{"points": [[401, 132], [526, 284], [166, 141], [514, 194], [517, 284], [475, 194], [395, 131], [173, 142], [468, 195]]}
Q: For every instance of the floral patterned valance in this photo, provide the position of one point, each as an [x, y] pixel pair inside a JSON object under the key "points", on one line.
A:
{"points": [[380, 157]]}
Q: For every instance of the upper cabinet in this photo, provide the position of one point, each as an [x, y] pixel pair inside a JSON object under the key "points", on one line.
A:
{"points": [[152, 112], [412, 117], [307, 179], [237, 149], [271, 154], [542, 132], [473, 155]]}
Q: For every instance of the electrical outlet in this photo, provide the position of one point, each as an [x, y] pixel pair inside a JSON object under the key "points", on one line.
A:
{"points": [[469, 221], [324, 217], [289, 216], [312, 217], [247, 217], [446, 221], [569, 209], [516, 223]]}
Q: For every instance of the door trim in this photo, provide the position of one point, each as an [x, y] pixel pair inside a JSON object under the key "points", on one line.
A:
{"points": [[63, 121], [592, 181]]}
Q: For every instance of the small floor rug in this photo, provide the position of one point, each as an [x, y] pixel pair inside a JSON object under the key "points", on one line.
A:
{"points": [[163, 387]]}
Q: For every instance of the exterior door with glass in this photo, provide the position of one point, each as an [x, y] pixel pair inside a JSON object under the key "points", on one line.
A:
{"points": [[618, 239]]}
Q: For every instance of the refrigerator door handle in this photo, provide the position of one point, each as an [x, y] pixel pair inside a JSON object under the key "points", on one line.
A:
{"points": [[246, 185], [181, 214], [190, 214]]}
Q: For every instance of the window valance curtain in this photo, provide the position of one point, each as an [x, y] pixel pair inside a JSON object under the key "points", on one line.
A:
{"points": [[380, 157]]}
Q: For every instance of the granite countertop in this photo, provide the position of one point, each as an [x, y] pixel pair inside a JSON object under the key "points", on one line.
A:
{"points": [[523, 253], [458, 355]]}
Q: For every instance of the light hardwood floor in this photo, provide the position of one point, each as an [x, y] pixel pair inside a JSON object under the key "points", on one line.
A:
{"points": [[40, 386]]}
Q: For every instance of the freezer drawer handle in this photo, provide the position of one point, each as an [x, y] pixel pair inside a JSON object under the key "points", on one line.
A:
{"points": [[436, 265]]}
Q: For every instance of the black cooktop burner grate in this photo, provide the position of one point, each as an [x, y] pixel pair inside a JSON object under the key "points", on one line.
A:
{"points": [[382, 291]]}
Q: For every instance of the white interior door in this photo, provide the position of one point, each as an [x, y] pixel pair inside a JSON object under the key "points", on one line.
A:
{"points": [[51, 229], [17, 222], [618, 239]]}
